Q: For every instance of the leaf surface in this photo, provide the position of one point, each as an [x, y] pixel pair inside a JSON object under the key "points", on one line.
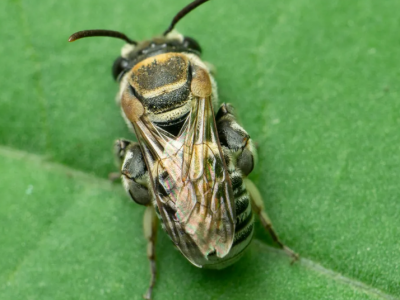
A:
{"points": [[314, 83]]}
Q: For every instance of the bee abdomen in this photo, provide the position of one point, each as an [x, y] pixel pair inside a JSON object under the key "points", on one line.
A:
{"points": [[244, 226], [244, 216]]}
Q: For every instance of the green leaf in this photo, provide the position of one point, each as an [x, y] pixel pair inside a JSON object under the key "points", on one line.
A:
{"points": [[314, 83]]}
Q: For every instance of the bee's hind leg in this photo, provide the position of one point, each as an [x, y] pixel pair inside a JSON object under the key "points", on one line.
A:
{"points": [[258, 207], [150, 233]]}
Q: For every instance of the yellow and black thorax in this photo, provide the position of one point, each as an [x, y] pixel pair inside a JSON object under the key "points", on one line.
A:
{"points": [[159, 73]]}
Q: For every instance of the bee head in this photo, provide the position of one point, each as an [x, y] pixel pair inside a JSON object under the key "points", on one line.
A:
{"points": [[134, 52]]}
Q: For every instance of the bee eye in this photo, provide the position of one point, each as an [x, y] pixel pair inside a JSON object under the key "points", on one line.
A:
{"points": [[120, 64], [192, 44]]}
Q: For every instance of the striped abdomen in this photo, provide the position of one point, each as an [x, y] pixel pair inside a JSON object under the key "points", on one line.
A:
{"points": [[244, 225], [243, 229]]}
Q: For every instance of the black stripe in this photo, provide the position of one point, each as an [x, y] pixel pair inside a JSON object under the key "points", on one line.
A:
{"points": [[168, 101], [244, 234], [240, 192], [241, 205], [237, 183], [173, 126], [243, 223]]}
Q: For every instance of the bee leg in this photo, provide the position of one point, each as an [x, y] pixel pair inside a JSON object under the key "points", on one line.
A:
{"points": [[150, 233], [134, 174], [258, 207], [235, 138]]}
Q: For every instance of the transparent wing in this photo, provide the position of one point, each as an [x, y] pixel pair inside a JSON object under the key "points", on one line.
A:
{"points": [[191, 183]]}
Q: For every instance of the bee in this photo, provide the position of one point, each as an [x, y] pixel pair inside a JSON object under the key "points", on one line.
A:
{"points": [[190, 165]]}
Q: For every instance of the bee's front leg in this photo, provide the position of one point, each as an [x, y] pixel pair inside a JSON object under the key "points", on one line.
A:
{"points": [[134, 174]]}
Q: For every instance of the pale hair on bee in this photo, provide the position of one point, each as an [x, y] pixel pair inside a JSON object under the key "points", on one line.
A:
{"points": [[190, 165]]}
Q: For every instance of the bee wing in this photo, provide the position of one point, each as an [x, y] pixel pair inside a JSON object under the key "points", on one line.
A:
{"points": [[191, 183]]}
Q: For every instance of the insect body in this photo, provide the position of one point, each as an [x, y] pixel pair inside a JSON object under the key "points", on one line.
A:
{"points": [[189, 166]]}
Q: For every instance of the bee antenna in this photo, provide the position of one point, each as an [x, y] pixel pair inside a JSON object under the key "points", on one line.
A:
{"points": [[187, 9], [100, 32]]}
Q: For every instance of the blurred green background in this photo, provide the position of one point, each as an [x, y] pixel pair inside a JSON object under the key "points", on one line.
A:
{"points": [[315, 83]]}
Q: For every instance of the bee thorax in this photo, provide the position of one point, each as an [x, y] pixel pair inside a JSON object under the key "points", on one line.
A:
{"points": [[162, 82]]}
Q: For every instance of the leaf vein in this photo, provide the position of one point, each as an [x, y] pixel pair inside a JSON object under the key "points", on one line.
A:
{"points": [[316, 267]]}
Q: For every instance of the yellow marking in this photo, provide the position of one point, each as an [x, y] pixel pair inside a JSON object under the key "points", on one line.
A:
{"points": [[132, 107], [163, 89], [201, 83]]}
